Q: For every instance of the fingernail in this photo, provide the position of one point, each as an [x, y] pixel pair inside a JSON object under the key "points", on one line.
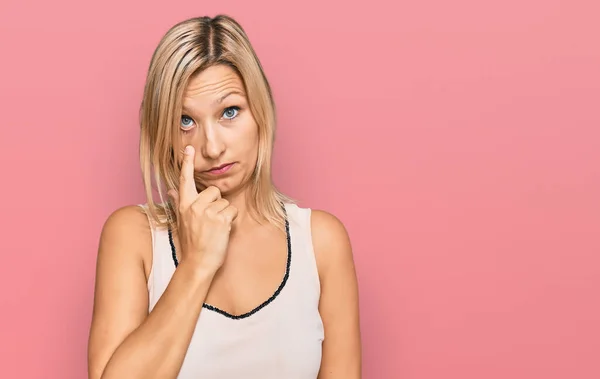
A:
{"points": [[188, 149]]}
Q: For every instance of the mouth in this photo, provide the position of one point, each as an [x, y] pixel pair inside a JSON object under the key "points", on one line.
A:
{"points": [[220, 169]]}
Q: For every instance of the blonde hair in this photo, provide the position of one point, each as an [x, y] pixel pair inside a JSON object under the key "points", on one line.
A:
{"points": [[187, 48]]}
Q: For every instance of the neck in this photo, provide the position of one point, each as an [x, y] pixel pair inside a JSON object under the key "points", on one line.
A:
{"points": [[238, 200]]}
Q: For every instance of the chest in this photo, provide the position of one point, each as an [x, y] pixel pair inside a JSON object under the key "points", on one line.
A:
{"points": [[273, 343], [281, 337], [255, 267]]}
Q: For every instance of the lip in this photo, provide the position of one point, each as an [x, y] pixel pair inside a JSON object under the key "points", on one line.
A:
{"points": [[218, 170]]}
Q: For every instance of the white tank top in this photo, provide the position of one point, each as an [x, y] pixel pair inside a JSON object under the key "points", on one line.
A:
{"points": [[280, 338]]}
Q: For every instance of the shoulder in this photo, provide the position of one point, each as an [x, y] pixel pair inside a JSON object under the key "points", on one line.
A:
{"points": [[126, 234], [338, 302], [331, 241], [129, 220], [327, 229]]}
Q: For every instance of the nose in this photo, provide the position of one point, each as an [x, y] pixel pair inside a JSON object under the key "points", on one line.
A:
{"points": [[213, 146]]}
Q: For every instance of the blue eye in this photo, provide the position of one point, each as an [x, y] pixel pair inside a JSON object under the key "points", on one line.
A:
{"points": [[231, 112], [186, 122]]}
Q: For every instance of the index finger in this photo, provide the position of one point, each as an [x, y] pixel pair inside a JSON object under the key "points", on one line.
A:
{"points": [[187, 185]]}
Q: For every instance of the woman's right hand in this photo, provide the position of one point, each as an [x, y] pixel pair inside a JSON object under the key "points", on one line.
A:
{"points": [[204, 219]]}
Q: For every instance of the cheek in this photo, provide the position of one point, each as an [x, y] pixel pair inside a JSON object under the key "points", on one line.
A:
{"points": [[252, 130], [251, 140], [188, 136], [191, 137], [181, 140]]}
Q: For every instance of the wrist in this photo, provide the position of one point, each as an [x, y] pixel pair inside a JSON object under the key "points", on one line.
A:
{"points": [[197, 269]]}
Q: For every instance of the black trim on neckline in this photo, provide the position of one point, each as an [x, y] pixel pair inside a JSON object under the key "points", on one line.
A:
{"points": [[266, 302]]}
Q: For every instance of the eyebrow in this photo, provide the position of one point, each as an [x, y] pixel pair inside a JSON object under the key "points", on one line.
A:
{"points": [[234, 92]]}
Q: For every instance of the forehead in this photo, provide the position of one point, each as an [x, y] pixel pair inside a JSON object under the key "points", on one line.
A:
{"points": [[209, 87]]}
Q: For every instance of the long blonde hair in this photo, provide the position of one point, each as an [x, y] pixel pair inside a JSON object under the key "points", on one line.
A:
{"points": [[187, 48]]}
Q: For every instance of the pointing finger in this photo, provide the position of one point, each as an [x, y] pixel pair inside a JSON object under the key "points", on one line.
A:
{"points": [[187, 185]]}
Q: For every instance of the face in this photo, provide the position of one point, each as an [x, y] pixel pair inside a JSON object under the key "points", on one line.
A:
{"points": [[217, 122]]}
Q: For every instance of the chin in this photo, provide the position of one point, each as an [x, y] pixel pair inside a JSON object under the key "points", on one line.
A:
{"points": [[225, 185]]}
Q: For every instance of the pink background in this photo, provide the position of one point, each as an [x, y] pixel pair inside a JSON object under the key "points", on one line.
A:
{"points": [[459, 141]]}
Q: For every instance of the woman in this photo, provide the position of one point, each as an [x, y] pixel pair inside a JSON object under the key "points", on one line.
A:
{"points": [[228, 278]]}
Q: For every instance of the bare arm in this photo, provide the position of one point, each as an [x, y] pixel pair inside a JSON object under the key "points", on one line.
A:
{"points": [[339, 298], [125, 340]]}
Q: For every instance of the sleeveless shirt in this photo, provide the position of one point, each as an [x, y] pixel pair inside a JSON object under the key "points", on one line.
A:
{"points": [[279, 339]]}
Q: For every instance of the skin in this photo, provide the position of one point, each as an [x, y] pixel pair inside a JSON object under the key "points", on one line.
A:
{"points": [[128, 341]]}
